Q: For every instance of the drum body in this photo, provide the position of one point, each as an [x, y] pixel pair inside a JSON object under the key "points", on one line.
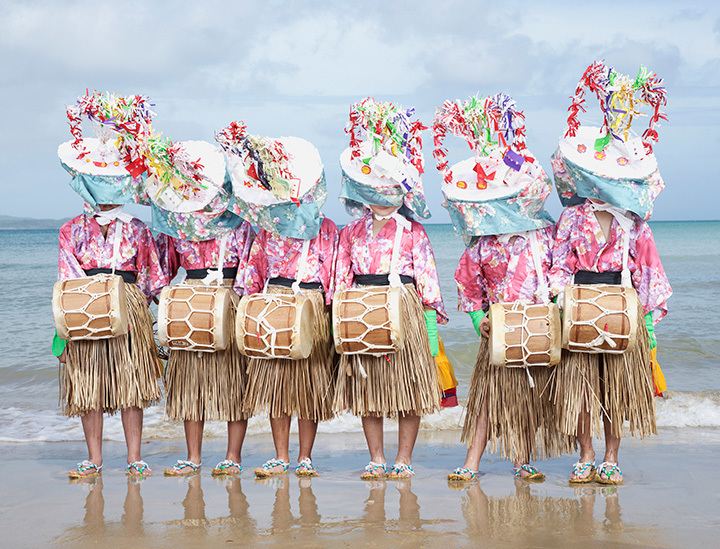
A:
{"points": [[600, 318], [524, 334], [92, 307], [275, 326], [195, 317], [368, 320]]}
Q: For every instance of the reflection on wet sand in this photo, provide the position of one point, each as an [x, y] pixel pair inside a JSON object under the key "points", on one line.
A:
{"points": [[525, 518], [285, 525]]}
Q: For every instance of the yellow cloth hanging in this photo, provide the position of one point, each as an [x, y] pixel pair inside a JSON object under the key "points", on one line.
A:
{"points": [[446, 374], [658, 376]]}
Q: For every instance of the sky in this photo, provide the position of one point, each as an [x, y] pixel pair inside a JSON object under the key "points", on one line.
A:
{"points": [[296, 67]]}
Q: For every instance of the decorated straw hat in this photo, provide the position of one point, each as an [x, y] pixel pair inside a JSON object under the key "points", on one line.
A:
{"points": [[278, 183], [610, 163], [384, 163], [108, 168], [189, 189], [501, 188]]}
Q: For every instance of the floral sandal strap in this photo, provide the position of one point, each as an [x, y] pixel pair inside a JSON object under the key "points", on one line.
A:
{"points": [[86, 465], [306, 465], [402, 469], [372, 468], [227, 464], [462, 471], [270, 464], [580, 467], [140, 466], [180, 465], [530, 469], [608, 469]]}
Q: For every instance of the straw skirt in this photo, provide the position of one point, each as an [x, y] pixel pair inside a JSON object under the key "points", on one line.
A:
{"points": [[207, 385], [302, 388], [521, 419], [400, 383], [116, 373], [619, 387]]}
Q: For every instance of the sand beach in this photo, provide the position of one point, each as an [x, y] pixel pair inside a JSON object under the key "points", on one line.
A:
{"points": [[669, 499]]}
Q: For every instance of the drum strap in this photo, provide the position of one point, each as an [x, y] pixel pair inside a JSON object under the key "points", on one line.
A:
{"points": [[401, 223], [301, 267], [626, 224], [543, 291], [216, 275], [116, 245]]}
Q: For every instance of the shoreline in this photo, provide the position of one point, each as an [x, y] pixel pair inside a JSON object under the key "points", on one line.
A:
{"points": [[669, 498]]}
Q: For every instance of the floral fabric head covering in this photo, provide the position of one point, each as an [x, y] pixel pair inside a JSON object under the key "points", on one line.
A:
{"points": [[501, 188], [384, 162], [109, 168], [608, 163], [278, 184]]}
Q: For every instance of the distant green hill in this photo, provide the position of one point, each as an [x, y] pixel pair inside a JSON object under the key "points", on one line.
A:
{"points": [[11, 222]]}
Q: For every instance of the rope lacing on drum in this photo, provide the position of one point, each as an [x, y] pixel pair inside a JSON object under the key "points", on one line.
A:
{"points": [[93, 296], [270, 346], [368, 308], [193, 329], [603, 335]]}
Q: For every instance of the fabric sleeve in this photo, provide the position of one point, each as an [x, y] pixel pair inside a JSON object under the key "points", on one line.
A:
{"points": [[256, 267], [167, 255], [68, 264], [246, 234], [649, 277], [564, 260], [151, 278], [330, 237], [426, 277], [343, 264], [472, 295]]}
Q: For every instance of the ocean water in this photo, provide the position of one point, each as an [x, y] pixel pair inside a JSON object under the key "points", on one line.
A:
{"points": [[688, 339]]}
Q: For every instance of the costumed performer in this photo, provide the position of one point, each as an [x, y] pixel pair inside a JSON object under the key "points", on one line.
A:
{"points": [[117, 373], [496, 204], [386, 247], [605, 239], [190, 200], [279, 185]]}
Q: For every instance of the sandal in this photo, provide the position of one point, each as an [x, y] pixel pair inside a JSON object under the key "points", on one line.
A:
{"points": [[461, 474], [178, 470], [607, 469], [533, 473], [305, 469], [222, 468], [82, 467], [579, 468], [264, 471], [142, 468], [401, 470], [374, 471]]}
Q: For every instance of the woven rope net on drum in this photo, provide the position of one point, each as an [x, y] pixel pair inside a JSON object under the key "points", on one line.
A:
{"points": [[188, 338], [369, 348], [270, 346], [93, 296], [603, 335], [528, 313]]}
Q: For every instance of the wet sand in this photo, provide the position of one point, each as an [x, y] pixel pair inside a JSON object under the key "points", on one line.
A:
{"points": [[670, 499]]}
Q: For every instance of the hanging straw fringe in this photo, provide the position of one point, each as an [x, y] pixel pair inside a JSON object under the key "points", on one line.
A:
{"points": [[207, 386], [401, 383], [619, 387], [521, 418], [117, 373], [302, 388]]}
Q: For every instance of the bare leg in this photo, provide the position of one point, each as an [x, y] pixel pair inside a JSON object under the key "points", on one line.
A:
{"points": [[193, 439], [373, 428], [92, 423], [280, 427], [612, 447], [307, 430], [476, 451], [132, 421], [584, 437], [236, 438], [408, 426]]}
